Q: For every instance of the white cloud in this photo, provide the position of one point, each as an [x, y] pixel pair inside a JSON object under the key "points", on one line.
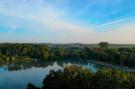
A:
{"points": [[41, 16]]}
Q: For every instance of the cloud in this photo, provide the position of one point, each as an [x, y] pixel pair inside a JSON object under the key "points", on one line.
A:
{"points": [[48, 23], [122, 34], [46, 16]]}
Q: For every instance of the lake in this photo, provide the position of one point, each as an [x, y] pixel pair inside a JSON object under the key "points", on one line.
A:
{"points": [[18, 75]]}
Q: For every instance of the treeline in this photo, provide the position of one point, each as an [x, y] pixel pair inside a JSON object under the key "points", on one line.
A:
{"points": [[119, 56], [76, 77], [36, 51]]}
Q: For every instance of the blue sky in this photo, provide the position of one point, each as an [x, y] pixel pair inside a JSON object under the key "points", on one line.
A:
{"points": [[67, 21]]}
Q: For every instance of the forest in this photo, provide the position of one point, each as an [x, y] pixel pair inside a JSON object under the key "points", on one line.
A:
{"points": [[29, 52], [76, 77]]}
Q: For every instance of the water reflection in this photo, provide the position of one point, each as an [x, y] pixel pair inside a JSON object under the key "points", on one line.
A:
{"points": [[18, 75]]}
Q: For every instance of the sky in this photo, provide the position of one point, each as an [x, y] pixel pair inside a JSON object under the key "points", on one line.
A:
{"points": [[67, 21]]}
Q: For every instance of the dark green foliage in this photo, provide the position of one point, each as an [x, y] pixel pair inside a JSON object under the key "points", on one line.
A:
{"points": [[31, 86], [76, 77], [103, 44], [119, 56]]}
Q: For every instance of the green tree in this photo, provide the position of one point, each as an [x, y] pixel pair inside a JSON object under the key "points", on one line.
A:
{"points": [[76, 77], [61, 51], [31, 86], [104, 44], [45, 52], [122, 59]]}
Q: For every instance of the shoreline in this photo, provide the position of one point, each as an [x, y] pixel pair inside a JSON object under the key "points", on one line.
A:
{"points": [[127, 69]]}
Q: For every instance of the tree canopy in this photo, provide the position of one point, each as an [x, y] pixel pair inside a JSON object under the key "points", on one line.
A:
{"points": [[21, 52], [76, 77]]}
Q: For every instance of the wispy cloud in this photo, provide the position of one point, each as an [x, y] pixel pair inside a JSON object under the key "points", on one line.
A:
{"points": [[49, 22]]}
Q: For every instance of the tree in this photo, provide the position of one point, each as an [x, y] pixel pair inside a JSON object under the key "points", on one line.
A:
{"points": [[104, 44], [31, 86], [61, 51], [122, 59], [77, 77], [45, 52]]}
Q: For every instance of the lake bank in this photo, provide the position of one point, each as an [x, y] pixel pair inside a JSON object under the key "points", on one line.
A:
{"points": [[128, 69]]}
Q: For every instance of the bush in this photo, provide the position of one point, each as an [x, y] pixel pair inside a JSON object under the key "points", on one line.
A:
{"points": [[76, 77]]}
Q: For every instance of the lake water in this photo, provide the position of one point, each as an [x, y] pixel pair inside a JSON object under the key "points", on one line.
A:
{"points": [[17, 76]]}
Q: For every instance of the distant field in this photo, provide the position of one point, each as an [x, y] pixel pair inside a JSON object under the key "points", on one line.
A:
{"points": [[122, 45], [78, 45], [92, 45], [114, 45]]}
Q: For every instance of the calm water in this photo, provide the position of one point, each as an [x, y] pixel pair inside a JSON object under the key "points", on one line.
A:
{"points": [[17, 76]]}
